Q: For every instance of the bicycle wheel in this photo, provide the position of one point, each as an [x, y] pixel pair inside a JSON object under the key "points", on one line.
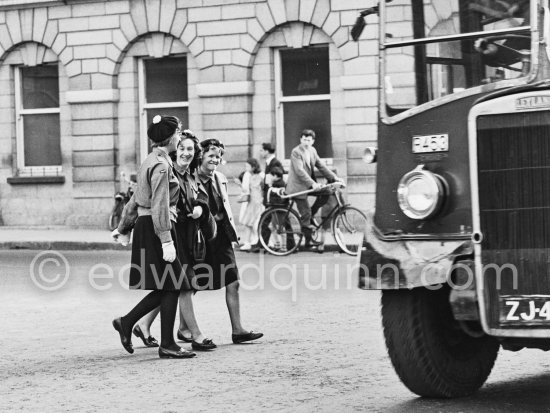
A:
{"points": [[285, 232], [348, 227]]}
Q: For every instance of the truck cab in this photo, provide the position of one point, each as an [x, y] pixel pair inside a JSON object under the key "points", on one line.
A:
{"points": [[459, 241]]}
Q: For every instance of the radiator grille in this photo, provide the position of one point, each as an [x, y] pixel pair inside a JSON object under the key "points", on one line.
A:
{"points": [[514, 201]]}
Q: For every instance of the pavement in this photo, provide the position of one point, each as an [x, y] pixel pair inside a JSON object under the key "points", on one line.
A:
{"points": [[56, 238], [323, 348], [68, 238]]}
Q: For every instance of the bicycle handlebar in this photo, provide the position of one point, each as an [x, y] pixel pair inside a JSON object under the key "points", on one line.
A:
{"points": [[281, 193]]}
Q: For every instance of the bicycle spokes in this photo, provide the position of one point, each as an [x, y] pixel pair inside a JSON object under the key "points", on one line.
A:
{"points": [[348, 228], [280, 231]]}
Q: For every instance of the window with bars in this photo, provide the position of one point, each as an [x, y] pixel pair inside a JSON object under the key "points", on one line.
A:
{"points": [[37, 120], [303, 97], [163, 91]]}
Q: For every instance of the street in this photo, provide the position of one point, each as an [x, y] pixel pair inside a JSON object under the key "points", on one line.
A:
{"points": [[323, 349]]}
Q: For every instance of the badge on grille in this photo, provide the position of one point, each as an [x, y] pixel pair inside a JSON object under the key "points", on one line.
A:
{"points": [[532, 102]]}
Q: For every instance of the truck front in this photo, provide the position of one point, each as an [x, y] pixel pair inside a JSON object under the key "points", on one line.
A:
{"points": [[459, 240]]}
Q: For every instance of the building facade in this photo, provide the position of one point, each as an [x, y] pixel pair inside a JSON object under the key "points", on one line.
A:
{"points": [[80, 80]]}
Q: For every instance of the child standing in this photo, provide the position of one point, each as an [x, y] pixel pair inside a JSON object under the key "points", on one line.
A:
{"points": [[277, 242], [252, 186]]}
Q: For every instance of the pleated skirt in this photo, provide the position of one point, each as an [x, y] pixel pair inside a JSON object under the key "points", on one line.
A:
{"points": [[220, 267], [149, 271]]}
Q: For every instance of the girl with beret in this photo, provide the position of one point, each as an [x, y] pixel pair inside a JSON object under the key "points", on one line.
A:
{"points": [[155, 265], [193, 217]]}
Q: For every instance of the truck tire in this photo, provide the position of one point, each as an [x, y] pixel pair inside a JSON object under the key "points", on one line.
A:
{"points": [[431, 354]]}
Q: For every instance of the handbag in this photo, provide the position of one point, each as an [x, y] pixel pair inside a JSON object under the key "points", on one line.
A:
{"points": [[243, 198], [199, 247]]}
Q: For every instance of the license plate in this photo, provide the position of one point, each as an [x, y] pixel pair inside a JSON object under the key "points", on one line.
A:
{"points": [[430, 143], [525, 310]]}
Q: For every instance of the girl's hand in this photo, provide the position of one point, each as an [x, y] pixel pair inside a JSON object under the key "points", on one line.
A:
{"points": [[168, 251], [197, 212]]}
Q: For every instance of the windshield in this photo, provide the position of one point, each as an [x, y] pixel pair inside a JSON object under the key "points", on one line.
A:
{"points": [[434, 48]]}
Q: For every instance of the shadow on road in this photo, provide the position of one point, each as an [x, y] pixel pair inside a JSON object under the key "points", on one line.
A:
{"points": [[531, 394]]}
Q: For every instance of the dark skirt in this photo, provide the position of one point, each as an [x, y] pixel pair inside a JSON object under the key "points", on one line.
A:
{"points": [[185, 233], [220, 268], [149, 271]]}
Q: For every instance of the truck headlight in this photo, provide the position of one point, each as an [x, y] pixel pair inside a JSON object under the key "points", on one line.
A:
{"points": [[420, 193]]}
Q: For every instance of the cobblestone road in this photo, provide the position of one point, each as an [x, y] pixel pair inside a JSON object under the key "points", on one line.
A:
{"points": [[322, 352]]}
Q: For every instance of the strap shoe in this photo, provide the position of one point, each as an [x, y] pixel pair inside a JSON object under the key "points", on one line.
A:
{"points": [[241, 338]]}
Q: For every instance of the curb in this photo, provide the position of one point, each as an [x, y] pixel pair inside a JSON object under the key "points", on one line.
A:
{"points": [[62, 246], [109, 246]]}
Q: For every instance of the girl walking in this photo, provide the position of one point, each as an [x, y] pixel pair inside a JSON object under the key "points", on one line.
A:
{"points": [[154, 262]]}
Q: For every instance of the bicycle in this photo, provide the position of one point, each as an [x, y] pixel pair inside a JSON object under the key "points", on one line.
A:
{"points": [[346, 221], [121, 199]]}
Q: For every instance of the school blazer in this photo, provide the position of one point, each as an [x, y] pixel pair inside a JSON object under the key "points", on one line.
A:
{"points": [[221, 185]]}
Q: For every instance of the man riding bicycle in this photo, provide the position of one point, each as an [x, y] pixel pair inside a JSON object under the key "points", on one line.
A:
{"points": [[301, 177]]}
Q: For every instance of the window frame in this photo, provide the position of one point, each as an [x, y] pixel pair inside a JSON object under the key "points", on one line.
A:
{"points": [[280, 100], [20, 112], [389, 115], [144, 106]]}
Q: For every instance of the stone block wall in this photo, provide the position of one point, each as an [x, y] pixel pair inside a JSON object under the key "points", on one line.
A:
{"points": [[229, 46]]}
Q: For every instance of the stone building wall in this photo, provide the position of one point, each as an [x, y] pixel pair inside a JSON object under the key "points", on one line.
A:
{"points": [[229, 47]]}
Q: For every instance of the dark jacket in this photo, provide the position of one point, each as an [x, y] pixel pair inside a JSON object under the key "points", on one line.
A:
{"points": [[268, 167], [220, 185], [188, 200], [275, 199]]}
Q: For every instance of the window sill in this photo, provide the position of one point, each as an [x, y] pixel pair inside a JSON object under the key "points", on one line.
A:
{"points": [[29, 180]]}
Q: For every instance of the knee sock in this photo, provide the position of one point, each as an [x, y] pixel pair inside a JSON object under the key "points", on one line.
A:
{"points": [[168, 308]]}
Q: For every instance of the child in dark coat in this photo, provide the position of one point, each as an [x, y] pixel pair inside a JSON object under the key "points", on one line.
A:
{"points": [[277, 181]]}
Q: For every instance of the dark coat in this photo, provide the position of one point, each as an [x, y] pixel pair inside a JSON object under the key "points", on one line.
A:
{"points": [[188, 228], [220, 267], [268, 167], [221, 186]]}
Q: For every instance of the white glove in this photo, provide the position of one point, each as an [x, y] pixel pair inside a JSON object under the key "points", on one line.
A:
{"points": [[122, 239], [197, 212], [316, 185], [168, 251]]}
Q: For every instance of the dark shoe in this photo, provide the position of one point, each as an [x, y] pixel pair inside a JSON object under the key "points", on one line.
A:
{"points": [[165, 353], [321, 248], [310, 243], [254, 248], [125, 340], [241, 338], [181, 337], [310, 247], [206, 345], [148, 341]]}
